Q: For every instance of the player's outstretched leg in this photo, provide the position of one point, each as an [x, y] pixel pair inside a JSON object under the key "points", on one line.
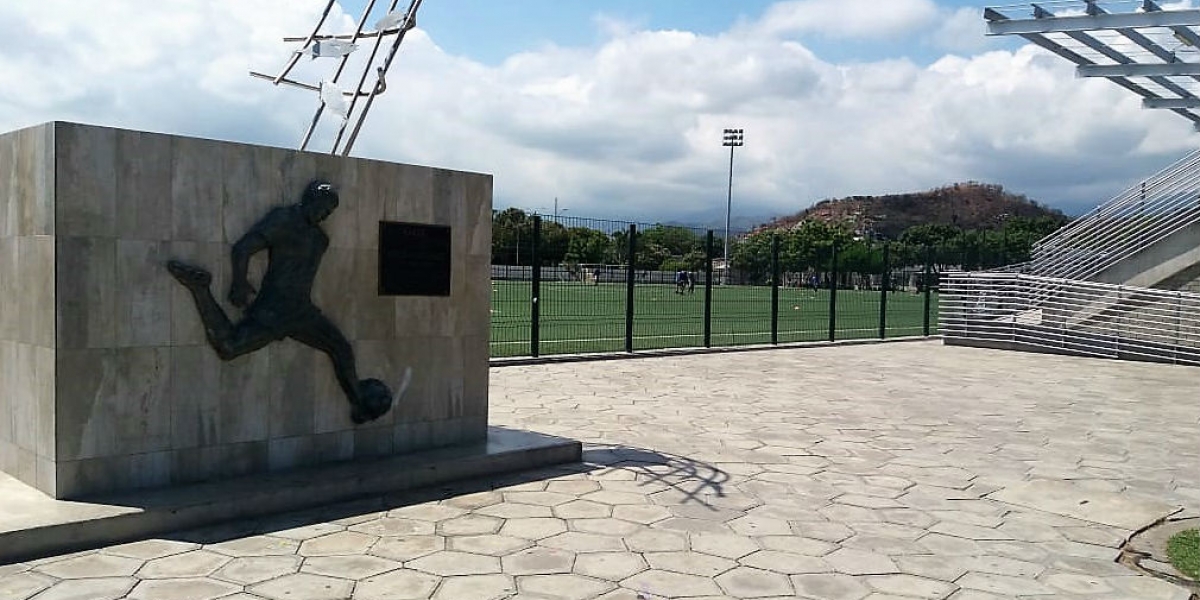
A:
{"points": [[217, 326], [369, 398]]}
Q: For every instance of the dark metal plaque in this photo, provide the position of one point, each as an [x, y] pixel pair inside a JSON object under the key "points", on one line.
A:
{"points": [[414, 259]]}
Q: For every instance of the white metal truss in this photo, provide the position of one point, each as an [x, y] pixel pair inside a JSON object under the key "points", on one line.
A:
{"points": [[1149, 49], [390, 25]]}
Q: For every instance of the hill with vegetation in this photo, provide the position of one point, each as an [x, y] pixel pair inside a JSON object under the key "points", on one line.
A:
{"points": [[963, 206]]}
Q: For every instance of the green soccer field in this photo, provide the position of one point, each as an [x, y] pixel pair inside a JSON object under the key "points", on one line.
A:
{"points": [[578, 317]]}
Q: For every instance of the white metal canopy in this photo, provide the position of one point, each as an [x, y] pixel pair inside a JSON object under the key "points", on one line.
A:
{"points": [[1149, 47]]}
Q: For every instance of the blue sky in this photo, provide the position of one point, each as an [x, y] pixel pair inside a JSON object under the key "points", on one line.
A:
{"points": [[490, 31], [617, 107]]}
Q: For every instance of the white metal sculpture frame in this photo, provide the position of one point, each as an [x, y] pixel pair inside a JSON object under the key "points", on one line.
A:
{"points": [[346, 105], [1145, 46]]}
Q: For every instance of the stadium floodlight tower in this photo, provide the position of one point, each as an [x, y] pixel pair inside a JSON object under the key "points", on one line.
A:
{"points": [[733, 139], [392, 25]]}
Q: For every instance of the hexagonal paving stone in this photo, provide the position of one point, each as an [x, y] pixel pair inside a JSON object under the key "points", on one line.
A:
{"points": [[392, 526], [476, 586], [611, 497], [533, 529], [91, 565], [745, 582], [723, 545], [656, 541], [150, 549], [304, 586], [796, 545], [349, 567], [576, 487], [671, 585], [704, 512], [934, 567], [692, 525], [104, 588], [539, 498], [474, 501], [607, 526], [491, 544], [182, 589], [539, 561], [197, 563], [1002, 584], [249, 570], [583, 542], [692, 563], [513, 510], [858, 562], [612, 566], [756, 526], [910, 586], [1077, 584], [260, 545], [343, 542], [20, 586], [306, 531], [785, 562], [563, 587], [829, 587], [640, 513], [583, 509], [404, 584], [469, 525], [449, 562], [427, 512], [408, 547], [824, 531]]}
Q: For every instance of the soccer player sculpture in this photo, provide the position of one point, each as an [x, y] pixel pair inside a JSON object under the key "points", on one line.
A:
{"points": [[283, 308]]}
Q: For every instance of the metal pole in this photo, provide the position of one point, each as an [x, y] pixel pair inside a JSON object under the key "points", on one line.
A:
{"points": [[728, 210], [883, 293], [775, 288], [833, 276], [928, 285], [708, 277], [536, 290], [629, 274]]}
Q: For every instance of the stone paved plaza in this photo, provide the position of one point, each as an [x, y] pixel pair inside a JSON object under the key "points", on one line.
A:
{"points": [[837, 473]]}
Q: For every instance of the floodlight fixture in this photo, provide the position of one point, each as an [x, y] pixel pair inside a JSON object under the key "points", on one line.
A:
{"points": [[342, 102], [733, 139]]}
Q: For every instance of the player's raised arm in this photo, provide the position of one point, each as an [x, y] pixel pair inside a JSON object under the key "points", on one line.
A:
{"points": [[255, 240]]}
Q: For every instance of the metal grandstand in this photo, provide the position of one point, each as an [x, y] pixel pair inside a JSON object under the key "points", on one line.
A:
{"points": [[1149, 47]]}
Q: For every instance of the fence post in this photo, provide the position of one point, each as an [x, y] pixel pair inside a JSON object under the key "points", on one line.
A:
{"points": [[535, 311], [883, 294], [775, 288], [833, 285], [928, 286], [629, 275], [708, 275]]}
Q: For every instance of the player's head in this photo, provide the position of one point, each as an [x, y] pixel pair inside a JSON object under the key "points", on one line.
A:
{"points": [[318, 201]]}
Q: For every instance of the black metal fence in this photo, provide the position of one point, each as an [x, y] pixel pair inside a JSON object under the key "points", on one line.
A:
{"points": [[568, 285]]}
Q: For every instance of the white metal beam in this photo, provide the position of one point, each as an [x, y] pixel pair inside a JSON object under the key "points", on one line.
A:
{"points": [[1139, 70], [1171, 103], [1166, 18]]}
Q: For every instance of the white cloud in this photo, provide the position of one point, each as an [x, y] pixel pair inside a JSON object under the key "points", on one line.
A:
{"points": [[630, 128], [847, 18]]}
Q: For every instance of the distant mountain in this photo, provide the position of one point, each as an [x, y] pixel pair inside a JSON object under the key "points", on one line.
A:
{"points": [[968, 205]]}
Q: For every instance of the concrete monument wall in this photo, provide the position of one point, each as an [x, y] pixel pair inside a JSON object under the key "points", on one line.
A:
{"points": [[109, 382]]}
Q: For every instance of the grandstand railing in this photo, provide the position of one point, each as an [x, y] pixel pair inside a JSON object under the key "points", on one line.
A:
{"points": [[1153, 210], [1049, 314]]}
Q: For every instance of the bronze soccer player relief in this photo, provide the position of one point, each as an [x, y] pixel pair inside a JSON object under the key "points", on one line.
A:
{"points": [[283, 307]]}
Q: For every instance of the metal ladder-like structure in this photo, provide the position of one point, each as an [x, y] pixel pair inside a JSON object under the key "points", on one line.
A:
{"points": [[350, 106]]}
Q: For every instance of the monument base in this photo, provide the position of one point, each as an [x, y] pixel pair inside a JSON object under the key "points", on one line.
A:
{"points": [[33, 525]]}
